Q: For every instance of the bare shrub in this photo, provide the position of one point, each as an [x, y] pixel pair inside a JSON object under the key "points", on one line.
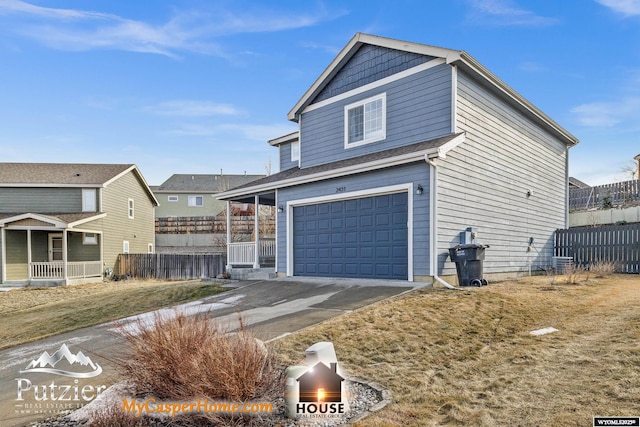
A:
{"points": [[180, 357], [572, 273], [603, 268]]}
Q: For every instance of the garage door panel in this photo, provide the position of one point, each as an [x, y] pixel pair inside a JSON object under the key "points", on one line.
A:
{"points": [[364, 237]]}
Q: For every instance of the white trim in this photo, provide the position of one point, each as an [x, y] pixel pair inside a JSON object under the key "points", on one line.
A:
{"points": [[55, 222], [94, 203], [128, 247], [294, 144], [50, 238], [85, 220], [3, 249], [87, 242], [379, 191], [290, 137], [131, 208], [433, 221], [374, 85], [276, 231], [175, 196], [348, 170], [195, 196], [454, 98], [362, 103]]}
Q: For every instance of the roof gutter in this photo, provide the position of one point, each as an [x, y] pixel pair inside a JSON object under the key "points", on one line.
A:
{"points": [[433, 214]]}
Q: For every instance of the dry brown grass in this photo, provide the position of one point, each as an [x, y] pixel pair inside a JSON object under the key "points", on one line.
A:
{"points": [[186, 357], [467, 358], [33, 313]]}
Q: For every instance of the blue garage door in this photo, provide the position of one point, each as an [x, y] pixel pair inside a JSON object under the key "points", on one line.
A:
{"points": [[364, 238]]}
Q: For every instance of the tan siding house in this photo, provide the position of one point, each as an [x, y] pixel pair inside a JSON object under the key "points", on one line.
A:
{"points": [[67, 223]]}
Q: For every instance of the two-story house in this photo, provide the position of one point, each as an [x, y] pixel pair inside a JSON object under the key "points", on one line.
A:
{"points": [[402, 147], [67, 223]]}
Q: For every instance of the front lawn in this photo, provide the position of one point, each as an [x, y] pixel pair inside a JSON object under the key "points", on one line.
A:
{"points": [[29, 314]]}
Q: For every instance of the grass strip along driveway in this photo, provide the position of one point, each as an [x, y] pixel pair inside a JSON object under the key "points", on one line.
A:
{"points": [[468, 358], [29, 314]]}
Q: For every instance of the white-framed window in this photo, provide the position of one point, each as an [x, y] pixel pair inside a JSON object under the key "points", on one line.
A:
{"points": [[130, 209], [89, 239], [125, 246], [172, 199], [365, 121], [295, 151], [88, 200], [150, 248], [195, 201]]}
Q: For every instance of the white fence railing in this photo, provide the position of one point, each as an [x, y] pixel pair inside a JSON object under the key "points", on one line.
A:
{"points": [[75, 270], [244, 253]]}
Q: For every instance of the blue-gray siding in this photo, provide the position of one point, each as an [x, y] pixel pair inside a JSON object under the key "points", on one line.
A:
{"points": [[367, 65], [417, 173], [418, 109], [483, 183], [285, 157]]}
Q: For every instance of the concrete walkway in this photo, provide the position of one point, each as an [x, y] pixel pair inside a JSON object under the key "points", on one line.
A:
{"points": [[272, 309]]}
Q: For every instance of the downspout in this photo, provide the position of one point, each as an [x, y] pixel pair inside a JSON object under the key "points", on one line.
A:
{"points": [[433, 211]]}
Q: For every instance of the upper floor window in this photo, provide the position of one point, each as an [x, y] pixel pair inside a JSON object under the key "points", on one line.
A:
{"points": [[365, 121], [172, 198], [197, 201], [89, 200], [130, 211], [125, 246], [295, 151]]}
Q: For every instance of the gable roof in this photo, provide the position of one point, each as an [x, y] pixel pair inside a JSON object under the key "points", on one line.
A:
{"points": [[204, 183], [454, 57], [574, 182], [64, 220], [68, 175], [421, 151]]}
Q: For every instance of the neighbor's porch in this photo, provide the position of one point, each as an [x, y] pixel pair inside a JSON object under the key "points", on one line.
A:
{"points": [[50, 257]]}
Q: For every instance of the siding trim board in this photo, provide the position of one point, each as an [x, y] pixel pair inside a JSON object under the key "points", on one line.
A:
{"points": [[408, 187]]}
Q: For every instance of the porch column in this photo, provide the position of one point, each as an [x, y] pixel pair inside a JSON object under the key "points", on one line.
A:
{"points": [[228, 235], [64, 257], [30, 274], [3, 253], [99, 235], [256, 217]]}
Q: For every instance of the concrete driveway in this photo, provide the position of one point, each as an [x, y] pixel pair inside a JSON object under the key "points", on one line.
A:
{"points": [[272, 308]]}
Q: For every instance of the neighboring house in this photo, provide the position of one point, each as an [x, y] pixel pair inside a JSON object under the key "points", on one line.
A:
{"points": [[67, 223], [576, 183], [401, 147], [189, 218], [187, 195], [615, 203]]}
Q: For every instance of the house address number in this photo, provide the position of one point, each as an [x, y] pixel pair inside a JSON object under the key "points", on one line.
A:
{"points": [[341, 189]]}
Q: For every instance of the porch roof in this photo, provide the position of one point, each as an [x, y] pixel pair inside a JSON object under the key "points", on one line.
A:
{"points": [[437, 147], [56, 220]]}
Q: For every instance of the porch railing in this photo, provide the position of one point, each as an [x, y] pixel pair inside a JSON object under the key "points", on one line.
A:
{"points": [[75, 270], [244, 253]]}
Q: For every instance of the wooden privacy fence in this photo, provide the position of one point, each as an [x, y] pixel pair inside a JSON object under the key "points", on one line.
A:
{"points": [[170, 266], [607, 196], [610, 243]]}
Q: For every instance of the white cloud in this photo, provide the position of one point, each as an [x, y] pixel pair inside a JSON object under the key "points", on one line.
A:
{"points": [[532, 67], [505, 13], [625, 7], [190, 108], [79, 30], [607, 114]]}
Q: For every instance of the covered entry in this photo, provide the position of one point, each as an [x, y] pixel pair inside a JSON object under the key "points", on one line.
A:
{"points": [[361, 238]]}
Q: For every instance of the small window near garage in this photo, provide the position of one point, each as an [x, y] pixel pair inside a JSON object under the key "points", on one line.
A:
{"points": [[131, 210], [125, 246], [89, 239], [295, 151], [150, 248], [365, 121], [88, 200], [195, 201], [172, 198]]}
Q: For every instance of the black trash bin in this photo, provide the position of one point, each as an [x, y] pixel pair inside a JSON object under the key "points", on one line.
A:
{"points": [[468, 259]]}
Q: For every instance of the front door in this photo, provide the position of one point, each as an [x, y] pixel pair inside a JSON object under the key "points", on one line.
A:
{"points": [[55, 247]]}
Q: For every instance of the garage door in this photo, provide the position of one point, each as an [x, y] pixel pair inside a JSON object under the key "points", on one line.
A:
{"points": [[364, 238]]}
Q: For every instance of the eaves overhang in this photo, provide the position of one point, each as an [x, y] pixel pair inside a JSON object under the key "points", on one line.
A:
{"points": [[440, 150]]}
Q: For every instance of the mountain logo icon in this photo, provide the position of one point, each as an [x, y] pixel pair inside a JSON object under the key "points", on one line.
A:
{"points": [[47, 363]]}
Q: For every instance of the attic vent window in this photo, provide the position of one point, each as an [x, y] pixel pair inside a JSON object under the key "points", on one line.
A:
{"points": [[365, 121]]}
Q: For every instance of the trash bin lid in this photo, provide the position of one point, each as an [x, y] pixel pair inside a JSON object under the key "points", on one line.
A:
{"points": [[469, 246]]}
